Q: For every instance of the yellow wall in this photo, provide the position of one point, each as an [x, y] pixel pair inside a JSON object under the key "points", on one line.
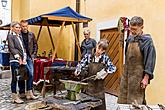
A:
{"points": [[24, 9], [16, 10], [153, 13], [101, 11]]}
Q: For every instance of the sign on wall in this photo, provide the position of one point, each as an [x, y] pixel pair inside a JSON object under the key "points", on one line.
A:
{"points": [[5, 16]]}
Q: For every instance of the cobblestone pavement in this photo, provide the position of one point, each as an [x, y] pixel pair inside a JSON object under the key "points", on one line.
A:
{"points": [[6, 104], [5, 97]]}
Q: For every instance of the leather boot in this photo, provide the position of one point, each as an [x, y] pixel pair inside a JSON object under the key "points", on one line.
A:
{"points": [[22, 95], [30, 95], [16, 99]]}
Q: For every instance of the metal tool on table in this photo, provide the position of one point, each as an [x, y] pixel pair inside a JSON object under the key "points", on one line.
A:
{"points": [[90, 77], [135, 105], [148, 107], [161, 106], [81, 101]]}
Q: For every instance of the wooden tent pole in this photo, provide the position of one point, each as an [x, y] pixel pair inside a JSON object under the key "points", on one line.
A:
{"points": [[50, 36], [77, 42], [45, 22], [57, 44], [39, 32]]}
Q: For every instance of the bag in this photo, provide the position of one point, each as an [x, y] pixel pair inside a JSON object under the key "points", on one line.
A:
{"points": [[21, 73]]}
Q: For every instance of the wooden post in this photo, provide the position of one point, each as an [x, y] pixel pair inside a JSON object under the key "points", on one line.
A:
{"points": [[57, 44], [50, 37], [45, 22], [77, 42], [39, 32]]}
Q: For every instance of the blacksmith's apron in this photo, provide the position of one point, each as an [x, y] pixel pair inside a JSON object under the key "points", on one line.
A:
{"points": [[130, 85], [96, 87]]}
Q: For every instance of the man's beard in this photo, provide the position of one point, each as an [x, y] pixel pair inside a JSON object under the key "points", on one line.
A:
{"points": [[25, 31]]}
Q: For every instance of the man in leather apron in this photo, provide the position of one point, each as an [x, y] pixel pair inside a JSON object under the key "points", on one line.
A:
{"points": [[139, 64], [97, 65]]}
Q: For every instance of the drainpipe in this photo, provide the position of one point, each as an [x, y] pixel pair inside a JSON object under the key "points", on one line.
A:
{"points": [[77, 30]]}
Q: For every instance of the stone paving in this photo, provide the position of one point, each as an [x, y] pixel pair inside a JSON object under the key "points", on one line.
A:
{"points": [[5, 97], [6, 103]]}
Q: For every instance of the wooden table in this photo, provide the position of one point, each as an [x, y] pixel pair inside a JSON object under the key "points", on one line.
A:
{"points": [[56, 65], [142, 107], [56, 70]]}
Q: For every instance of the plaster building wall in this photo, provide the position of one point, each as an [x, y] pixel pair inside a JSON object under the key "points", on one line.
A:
{"points": [[102, 12]]}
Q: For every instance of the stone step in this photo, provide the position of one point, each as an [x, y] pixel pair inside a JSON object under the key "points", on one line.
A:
{"points": [[5, 74]]}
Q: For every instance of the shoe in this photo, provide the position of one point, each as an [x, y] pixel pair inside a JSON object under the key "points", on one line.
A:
{"points": [[16, 99], [22, 95], [30, 95]]}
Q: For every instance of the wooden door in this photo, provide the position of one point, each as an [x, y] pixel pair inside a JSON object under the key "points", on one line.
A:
{"points": [[115, 52]]}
